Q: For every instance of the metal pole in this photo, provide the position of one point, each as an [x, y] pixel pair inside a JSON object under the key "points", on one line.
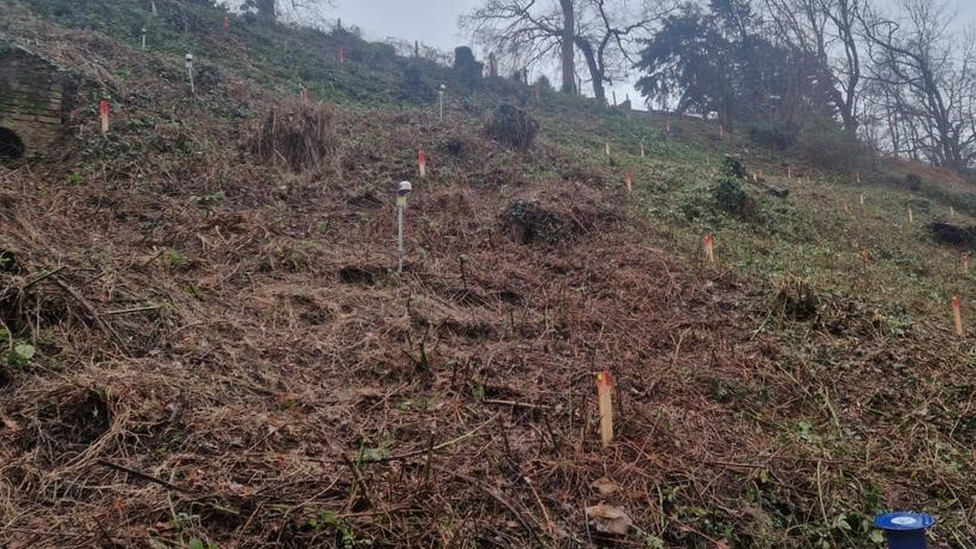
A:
{"points": [[403, 189], [440, 94], [189, 71], [400, 239]]}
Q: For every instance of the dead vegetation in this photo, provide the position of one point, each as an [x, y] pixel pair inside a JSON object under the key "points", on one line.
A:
{"points": [[513, 127], [953, 235], [299, 137]]}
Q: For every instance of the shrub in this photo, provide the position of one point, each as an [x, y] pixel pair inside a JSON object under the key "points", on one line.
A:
{"points": [[527, 221], [773, 137], [827, 145], [467, 69], [913, 181], [513, 126], [732, 198], [413, 85]]}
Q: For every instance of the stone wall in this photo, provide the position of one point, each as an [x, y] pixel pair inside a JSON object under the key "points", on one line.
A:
{"points": [[32, 99]]}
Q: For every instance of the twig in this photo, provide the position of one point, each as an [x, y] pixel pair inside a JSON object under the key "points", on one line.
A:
{"points": [[545, 513], [43, 277], [517, 404], [501, 500], [146, 477], [133, 310], [431, 450], [91, 311]]}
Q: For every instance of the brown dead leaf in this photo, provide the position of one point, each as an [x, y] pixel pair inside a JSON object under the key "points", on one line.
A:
{"points": [[609, 519], [605, 487], [9, 423]]}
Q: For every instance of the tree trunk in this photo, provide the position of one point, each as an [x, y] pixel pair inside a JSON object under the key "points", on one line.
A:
{"points": [[266, 10], [568, 45], [596, 71]]}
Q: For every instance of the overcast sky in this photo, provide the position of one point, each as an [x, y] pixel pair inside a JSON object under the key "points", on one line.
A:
{"points": [[434, 22]]}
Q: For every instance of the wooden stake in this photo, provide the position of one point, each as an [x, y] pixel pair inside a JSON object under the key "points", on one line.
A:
{"points": [[667, 126], [911, 216], [861, 198], [422, 163], [629, 180], [721, 131], [957, 315], [103, 114], [709, 244], [642, 149], [952, 212], [606, 147], [857, 176], [965, 262], [605, 391], [865, 257], [847, 209], [789, 172]]}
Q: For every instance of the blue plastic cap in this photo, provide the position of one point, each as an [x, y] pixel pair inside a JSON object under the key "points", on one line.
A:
{"points": [[903, 521]]}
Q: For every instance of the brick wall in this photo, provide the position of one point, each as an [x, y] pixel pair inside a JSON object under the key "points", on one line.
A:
{"points": [[32, 99]]}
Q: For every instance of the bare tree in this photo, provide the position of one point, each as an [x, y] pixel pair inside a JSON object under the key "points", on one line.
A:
{"points": [[530, 32], [928, 76], [567, 54], [271, 10], [608, 33], [827, 30]]}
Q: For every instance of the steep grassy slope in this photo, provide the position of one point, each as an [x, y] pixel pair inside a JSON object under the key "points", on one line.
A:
{"points": [[223, 355]]}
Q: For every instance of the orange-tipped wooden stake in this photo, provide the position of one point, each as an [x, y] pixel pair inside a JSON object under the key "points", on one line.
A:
{"points": [[604, 389], [709, 245], [422, 163], [103, 114], [629, 180], [957, 314], [911, 216]]}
